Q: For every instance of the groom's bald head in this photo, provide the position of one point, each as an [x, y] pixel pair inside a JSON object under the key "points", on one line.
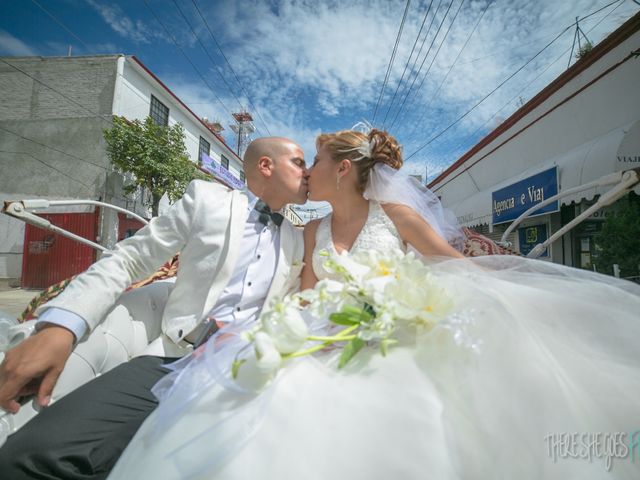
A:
{"points": [[272, 147], [276, 171]]}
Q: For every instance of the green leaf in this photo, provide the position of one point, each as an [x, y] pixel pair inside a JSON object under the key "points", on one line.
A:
{"points": [[357, 311], [344, 318], [350, 350], [235, 367], [351, 316]]}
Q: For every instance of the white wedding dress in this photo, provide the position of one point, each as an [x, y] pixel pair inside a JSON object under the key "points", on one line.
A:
{"points": [[535, 351]]}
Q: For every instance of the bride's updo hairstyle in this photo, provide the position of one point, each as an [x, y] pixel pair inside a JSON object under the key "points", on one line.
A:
{"points": [[364, 150]]}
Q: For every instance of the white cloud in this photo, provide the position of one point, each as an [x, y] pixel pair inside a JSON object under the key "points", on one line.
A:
{"points": [[14, 47], [112, 14], [310, 65]]}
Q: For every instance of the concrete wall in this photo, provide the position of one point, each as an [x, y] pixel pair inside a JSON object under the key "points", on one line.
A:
{"points": [[56, 150]]}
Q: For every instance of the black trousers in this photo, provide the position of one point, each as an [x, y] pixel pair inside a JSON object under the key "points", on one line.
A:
{"points": [[83, 434]]}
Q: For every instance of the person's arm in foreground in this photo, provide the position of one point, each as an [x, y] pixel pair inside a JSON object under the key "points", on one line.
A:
{"points": [[415, 231], [33, 366], [309, 278]]}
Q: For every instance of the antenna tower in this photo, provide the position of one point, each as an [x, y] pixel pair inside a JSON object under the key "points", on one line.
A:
{"points": [[243, 130]]}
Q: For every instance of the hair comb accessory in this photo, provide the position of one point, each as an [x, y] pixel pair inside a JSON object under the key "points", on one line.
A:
{"points": [[366, 148]]}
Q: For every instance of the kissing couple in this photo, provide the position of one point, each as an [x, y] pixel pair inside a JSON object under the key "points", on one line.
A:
{"points": [[532, 348]]}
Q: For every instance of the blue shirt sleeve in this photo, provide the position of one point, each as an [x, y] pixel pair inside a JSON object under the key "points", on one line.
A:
{"points": [[64, 318]]}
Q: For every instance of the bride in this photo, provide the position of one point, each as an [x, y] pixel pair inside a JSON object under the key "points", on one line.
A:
{"points": [[535, 376]]}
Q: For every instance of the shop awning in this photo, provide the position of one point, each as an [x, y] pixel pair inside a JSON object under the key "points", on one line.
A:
{"points": [[615, 151], [474, 210]]}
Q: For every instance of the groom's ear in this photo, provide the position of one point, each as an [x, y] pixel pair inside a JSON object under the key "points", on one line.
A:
{"points": [[265, 166]]}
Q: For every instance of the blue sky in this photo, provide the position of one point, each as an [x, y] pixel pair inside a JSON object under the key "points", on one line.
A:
{"points": [[311, 66]]}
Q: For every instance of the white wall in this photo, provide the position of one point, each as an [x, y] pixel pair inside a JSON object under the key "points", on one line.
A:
{"points": [[133, 98], [610, 103]]}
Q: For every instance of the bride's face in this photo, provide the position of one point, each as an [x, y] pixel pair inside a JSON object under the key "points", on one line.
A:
{"points": [[322, 176]]}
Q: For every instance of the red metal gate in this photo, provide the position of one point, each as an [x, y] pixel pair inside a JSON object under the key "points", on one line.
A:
{"points": [[49, 258], [127, 226]]}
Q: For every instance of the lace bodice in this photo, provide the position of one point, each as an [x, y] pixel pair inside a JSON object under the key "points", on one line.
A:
{"points": [[378, 232]]}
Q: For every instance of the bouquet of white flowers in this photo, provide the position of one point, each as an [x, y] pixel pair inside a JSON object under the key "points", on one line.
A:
{"points": [[373, 294]]}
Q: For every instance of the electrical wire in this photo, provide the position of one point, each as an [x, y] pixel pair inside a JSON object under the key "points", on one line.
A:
{"points": [[415, 124], [424, 20], [177, 5], [393, 56], [186, 57], [432, 60], [60, 23], [53, 148], [455, 122], [244, 90]]}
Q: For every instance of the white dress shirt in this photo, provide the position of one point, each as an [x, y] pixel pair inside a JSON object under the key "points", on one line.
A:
{"points": [[243, 297]]}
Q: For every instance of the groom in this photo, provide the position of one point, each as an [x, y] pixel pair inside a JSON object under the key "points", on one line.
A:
{"points": [[235, 254]]}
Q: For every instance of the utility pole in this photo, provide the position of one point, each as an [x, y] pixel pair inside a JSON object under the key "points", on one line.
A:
{"points": [[578, 35]]}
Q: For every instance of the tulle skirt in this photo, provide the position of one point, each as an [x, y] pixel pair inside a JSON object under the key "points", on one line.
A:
{"points": [[536, 375]]}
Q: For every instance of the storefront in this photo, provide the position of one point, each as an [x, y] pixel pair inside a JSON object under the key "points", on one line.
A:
{"points": [[585, 125]]}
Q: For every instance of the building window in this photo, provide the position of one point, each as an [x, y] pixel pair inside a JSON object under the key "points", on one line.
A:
{"points": [[242, 177], [224, 161], [159, 112], [205, 148]]}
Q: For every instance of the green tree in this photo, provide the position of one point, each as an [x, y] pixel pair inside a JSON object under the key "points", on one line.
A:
{"points": [[619, 241], [155, 155]]}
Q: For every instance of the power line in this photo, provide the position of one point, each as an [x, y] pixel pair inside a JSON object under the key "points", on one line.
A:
{"points": [[407, 90], [455, 122], [517, 95], [507, 50], [186, 56], [393, 56], [432, 60], [253, 107], [576, 37], [424, 20], [50, 166], [452, 65], [413, 67], [177, 5], [61, 24], [489, 94], [53, 148]]}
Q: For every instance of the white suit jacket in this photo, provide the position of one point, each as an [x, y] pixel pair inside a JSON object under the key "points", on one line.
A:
{"points": [[206, 227]]}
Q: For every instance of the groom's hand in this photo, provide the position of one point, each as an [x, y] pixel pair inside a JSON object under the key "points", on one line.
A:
{"points": [[34, 366]]}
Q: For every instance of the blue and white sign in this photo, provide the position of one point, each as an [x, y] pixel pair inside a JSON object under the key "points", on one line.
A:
{"points": [[213, 167], [529, 237], [510, 202]]}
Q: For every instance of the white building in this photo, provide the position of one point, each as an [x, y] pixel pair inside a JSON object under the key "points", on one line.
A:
{"points": [[139, 93], [583, 125], [53, 111]]}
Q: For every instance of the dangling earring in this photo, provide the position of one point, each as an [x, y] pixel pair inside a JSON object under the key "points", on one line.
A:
{"points": [[338, 182]]}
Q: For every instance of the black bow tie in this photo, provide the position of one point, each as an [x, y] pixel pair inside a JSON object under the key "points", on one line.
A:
{"points": [[266, 214]]}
